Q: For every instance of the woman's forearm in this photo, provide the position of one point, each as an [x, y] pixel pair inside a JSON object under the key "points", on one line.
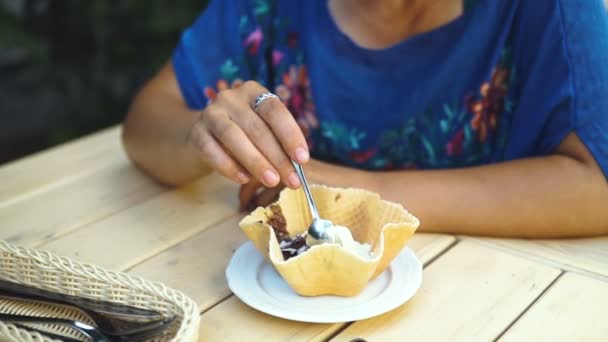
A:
{"points": [[545, 197], [156, 130]]}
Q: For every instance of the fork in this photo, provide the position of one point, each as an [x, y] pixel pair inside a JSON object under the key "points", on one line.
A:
{"points": [[93, 333], [112, 319]]}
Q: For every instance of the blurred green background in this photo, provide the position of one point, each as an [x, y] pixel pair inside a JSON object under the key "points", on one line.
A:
{"points": [[70, 67]]}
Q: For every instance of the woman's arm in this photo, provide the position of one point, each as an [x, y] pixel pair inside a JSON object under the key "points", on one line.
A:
{"points": [[562, 195], [156, 130]]}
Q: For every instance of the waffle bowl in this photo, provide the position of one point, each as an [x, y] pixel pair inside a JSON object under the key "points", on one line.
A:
{"points": [[329, 269], [46, 271]]}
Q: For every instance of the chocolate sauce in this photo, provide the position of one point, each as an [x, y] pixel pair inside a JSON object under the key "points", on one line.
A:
{"points": [[290, 246], [294, 246]]}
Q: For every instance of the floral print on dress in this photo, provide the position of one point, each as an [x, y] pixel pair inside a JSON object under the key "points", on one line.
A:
{"points": [[487, 109], [470, 131], [253, 41], [294, 91], [211, 93], [489, 104]]}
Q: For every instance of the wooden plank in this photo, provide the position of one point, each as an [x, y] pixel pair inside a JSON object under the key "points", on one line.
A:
{"points": [[232, 320], [573, 309], [471, 293], [587, 256], [196, 266], [43, 217], [131, 236], [65, 161]]}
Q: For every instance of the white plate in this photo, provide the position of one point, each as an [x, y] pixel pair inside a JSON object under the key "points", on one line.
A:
{"points": [[258, 285]]}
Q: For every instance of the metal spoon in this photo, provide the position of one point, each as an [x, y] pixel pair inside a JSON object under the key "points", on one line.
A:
{"points": [[319, 227]]}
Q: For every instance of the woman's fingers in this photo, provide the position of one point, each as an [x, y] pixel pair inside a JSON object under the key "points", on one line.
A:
{"points": [[260, 134], [264, 140], [238, 144], [235, 136], [280, 121], [262, 137], [215, 156], [285, 128]]}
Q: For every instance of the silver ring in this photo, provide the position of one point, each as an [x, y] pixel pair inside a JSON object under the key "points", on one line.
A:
{"points": [[263, 97]]}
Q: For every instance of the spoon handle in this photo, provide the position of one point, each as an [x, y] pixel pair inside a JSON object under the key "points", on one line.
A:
{"points": [[311, 202]]}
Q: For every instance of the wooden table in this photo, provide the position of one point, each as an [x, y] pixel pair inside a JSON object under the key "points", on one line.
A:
{"points": [[86, 201]]}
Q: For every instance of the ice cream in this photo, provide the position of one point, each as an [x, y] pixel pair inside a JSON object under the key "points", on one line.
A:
{"points": [[343, 236], [292, 246]]}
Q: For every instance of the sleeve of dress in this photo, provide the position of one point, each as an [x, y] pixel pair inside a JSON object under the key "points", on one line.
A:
{"points": [[210, 53], [565, 75]]}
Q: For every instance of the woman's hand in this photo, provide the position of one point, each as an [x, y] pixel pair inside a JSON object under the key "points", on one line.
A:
{"points": [[246, 145]]}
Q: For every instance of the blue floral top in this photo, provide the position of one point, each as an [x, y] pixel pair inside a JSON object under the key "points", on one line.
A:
{"points": [[507, 79]]}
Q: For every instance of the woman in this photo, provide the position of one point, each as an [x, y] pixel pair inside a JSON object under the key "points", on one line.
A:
{"points": [[486, 117]]}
